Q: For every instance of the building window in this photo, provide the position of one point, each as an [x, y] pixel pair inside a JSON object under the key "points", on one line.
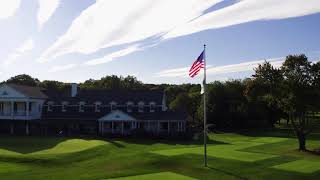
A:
{"points": [[64, 106], [152, 106], [50, 104], [129, 106], [113, 106], [97, 106], [81, 106], [140, 106]]}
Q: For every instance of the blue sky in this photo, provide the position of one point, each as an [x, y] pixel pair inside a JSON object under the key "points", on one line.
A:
{"points": [[154, 40]]}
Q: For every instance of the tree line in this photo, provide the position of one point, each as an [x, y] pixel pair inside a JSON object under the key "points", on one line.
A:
{"points": [[290, 92]]}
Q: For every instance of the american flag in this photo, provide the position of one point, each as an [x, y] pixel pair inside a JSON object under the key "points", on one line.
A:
{"points": [[197, 65]]}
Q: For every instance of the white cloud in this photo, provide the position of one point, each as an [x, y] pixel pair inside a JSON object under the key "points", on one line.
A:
{"points": [[116, 22], [112, 56], [247, 11], [62, 68], [46, 10], [25, 47], [8, 8], [218, 70], [109, 23]]}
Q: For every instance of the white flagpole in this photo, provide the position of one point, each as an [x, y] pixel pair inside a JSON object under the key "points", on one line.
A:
{"points": [[204, 110]]}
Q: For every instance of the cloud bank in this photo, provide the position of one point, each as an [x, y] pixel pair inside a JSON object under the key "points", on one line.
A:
{"points": [[46, 10], [24, 48], [8, 8], [117, 22]]}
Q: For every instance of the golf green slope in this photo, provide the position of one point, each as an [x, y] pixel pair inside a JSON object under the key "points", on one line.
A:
{"points": [[230, 156]]}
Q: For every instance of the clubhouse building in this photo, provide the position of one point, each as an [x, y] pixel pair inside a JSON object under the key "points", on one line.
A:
{"points": [[29, 110]]}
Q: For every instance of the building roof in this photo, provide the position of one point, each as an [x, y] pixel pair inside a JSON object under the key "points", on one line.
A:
{"points": [[33, 92], [107, 96]]}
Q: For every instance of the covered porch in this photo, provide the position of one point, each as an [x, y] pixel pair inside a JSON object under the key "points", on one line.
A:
{"points": [[118, 122], [19, 109]]}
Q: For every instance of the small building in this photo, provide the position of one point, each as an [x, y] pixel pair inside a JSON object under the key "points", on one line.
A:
{"points": [[37, 111]]}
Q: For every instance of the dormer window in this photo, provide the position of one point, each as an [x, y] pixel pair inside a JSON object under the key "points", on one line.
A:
{"points": [[50, 104], [64, 106], [140, 106], [152, 106], [129, 106], [97, 106], [113, 106], [81, 106]]}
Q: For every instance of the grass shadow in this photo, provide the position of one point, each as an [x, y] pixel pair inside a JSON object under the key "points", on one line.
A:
{"points": [[150, 141], [26, 144]]}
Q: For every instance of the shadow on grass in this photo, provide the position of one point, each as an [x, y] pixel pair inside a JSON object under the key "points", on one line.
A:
{"points": [[226, 172], [276, 132], [26, 144], [150, 141]]}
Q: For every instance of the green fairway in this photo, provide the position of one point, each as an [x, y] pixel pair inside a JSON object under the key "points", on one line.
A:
{"points": [[302, 166], [156, 176], [230, 156]]}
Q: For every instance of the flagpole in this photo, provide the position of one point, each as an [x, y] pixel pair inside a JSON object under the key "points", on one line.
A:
{"points": [[204, 110]]}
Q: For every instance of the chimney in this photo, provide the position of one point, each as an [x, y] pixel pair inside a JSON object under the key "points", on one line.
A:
{"points": [[74, 89]]}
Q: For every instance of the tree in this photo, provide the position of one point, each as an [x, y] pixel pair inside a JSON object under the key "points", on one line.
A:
{"points": [[56, 85], [24, 79], [188, 103], [298, 95], [264, 91]]}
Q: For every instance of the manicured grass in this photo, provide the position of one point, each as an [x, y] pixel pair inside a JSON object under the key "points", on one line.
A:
{"points": [[156, 176], [257, 155], [72, 145], [222, 151], [302, 166]]}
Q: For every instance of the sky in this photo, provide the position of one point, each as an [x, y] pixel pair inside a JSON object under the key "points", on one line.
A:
{"points": [[155, 40]]}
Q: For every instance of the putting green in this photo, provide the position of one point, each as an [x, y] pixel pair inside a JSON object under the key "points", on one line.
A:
{"points": [[301, 166], [155, 176], [73, 145]]}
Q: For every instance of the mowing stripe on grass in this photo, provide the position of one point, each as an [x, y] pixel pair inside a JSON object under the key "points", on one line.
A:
{"points": [[301, 166], [156, 176], [229, 151], [12, 167]]}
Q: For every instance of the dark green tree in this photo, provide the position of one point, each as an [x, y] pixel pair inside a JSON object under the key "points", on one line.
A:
{"points": [[298, 95], [24, 79]]}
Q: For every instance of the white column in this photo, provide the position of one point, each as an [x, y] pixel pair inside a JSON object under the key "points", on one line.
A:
{"points": [[122, 127], [102, 127], [132, 125], [12, 108], [27, 108], [11, 128], [27, 128], [99, 124], [112, 127], [178, 126]]}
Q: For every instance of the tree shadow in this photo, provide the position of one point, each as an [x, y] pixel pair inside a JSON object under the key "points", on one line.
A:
{"points": [[227, 172], [153, 140]]}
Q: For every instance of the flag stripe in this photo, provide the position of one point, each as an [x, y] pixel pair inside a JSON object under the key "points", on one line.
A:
{"points": [[197, 65]]}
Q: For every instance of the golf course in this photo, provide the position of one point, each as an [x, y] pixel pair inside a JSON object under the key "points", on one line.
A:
{"points": [[258, 155]]}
